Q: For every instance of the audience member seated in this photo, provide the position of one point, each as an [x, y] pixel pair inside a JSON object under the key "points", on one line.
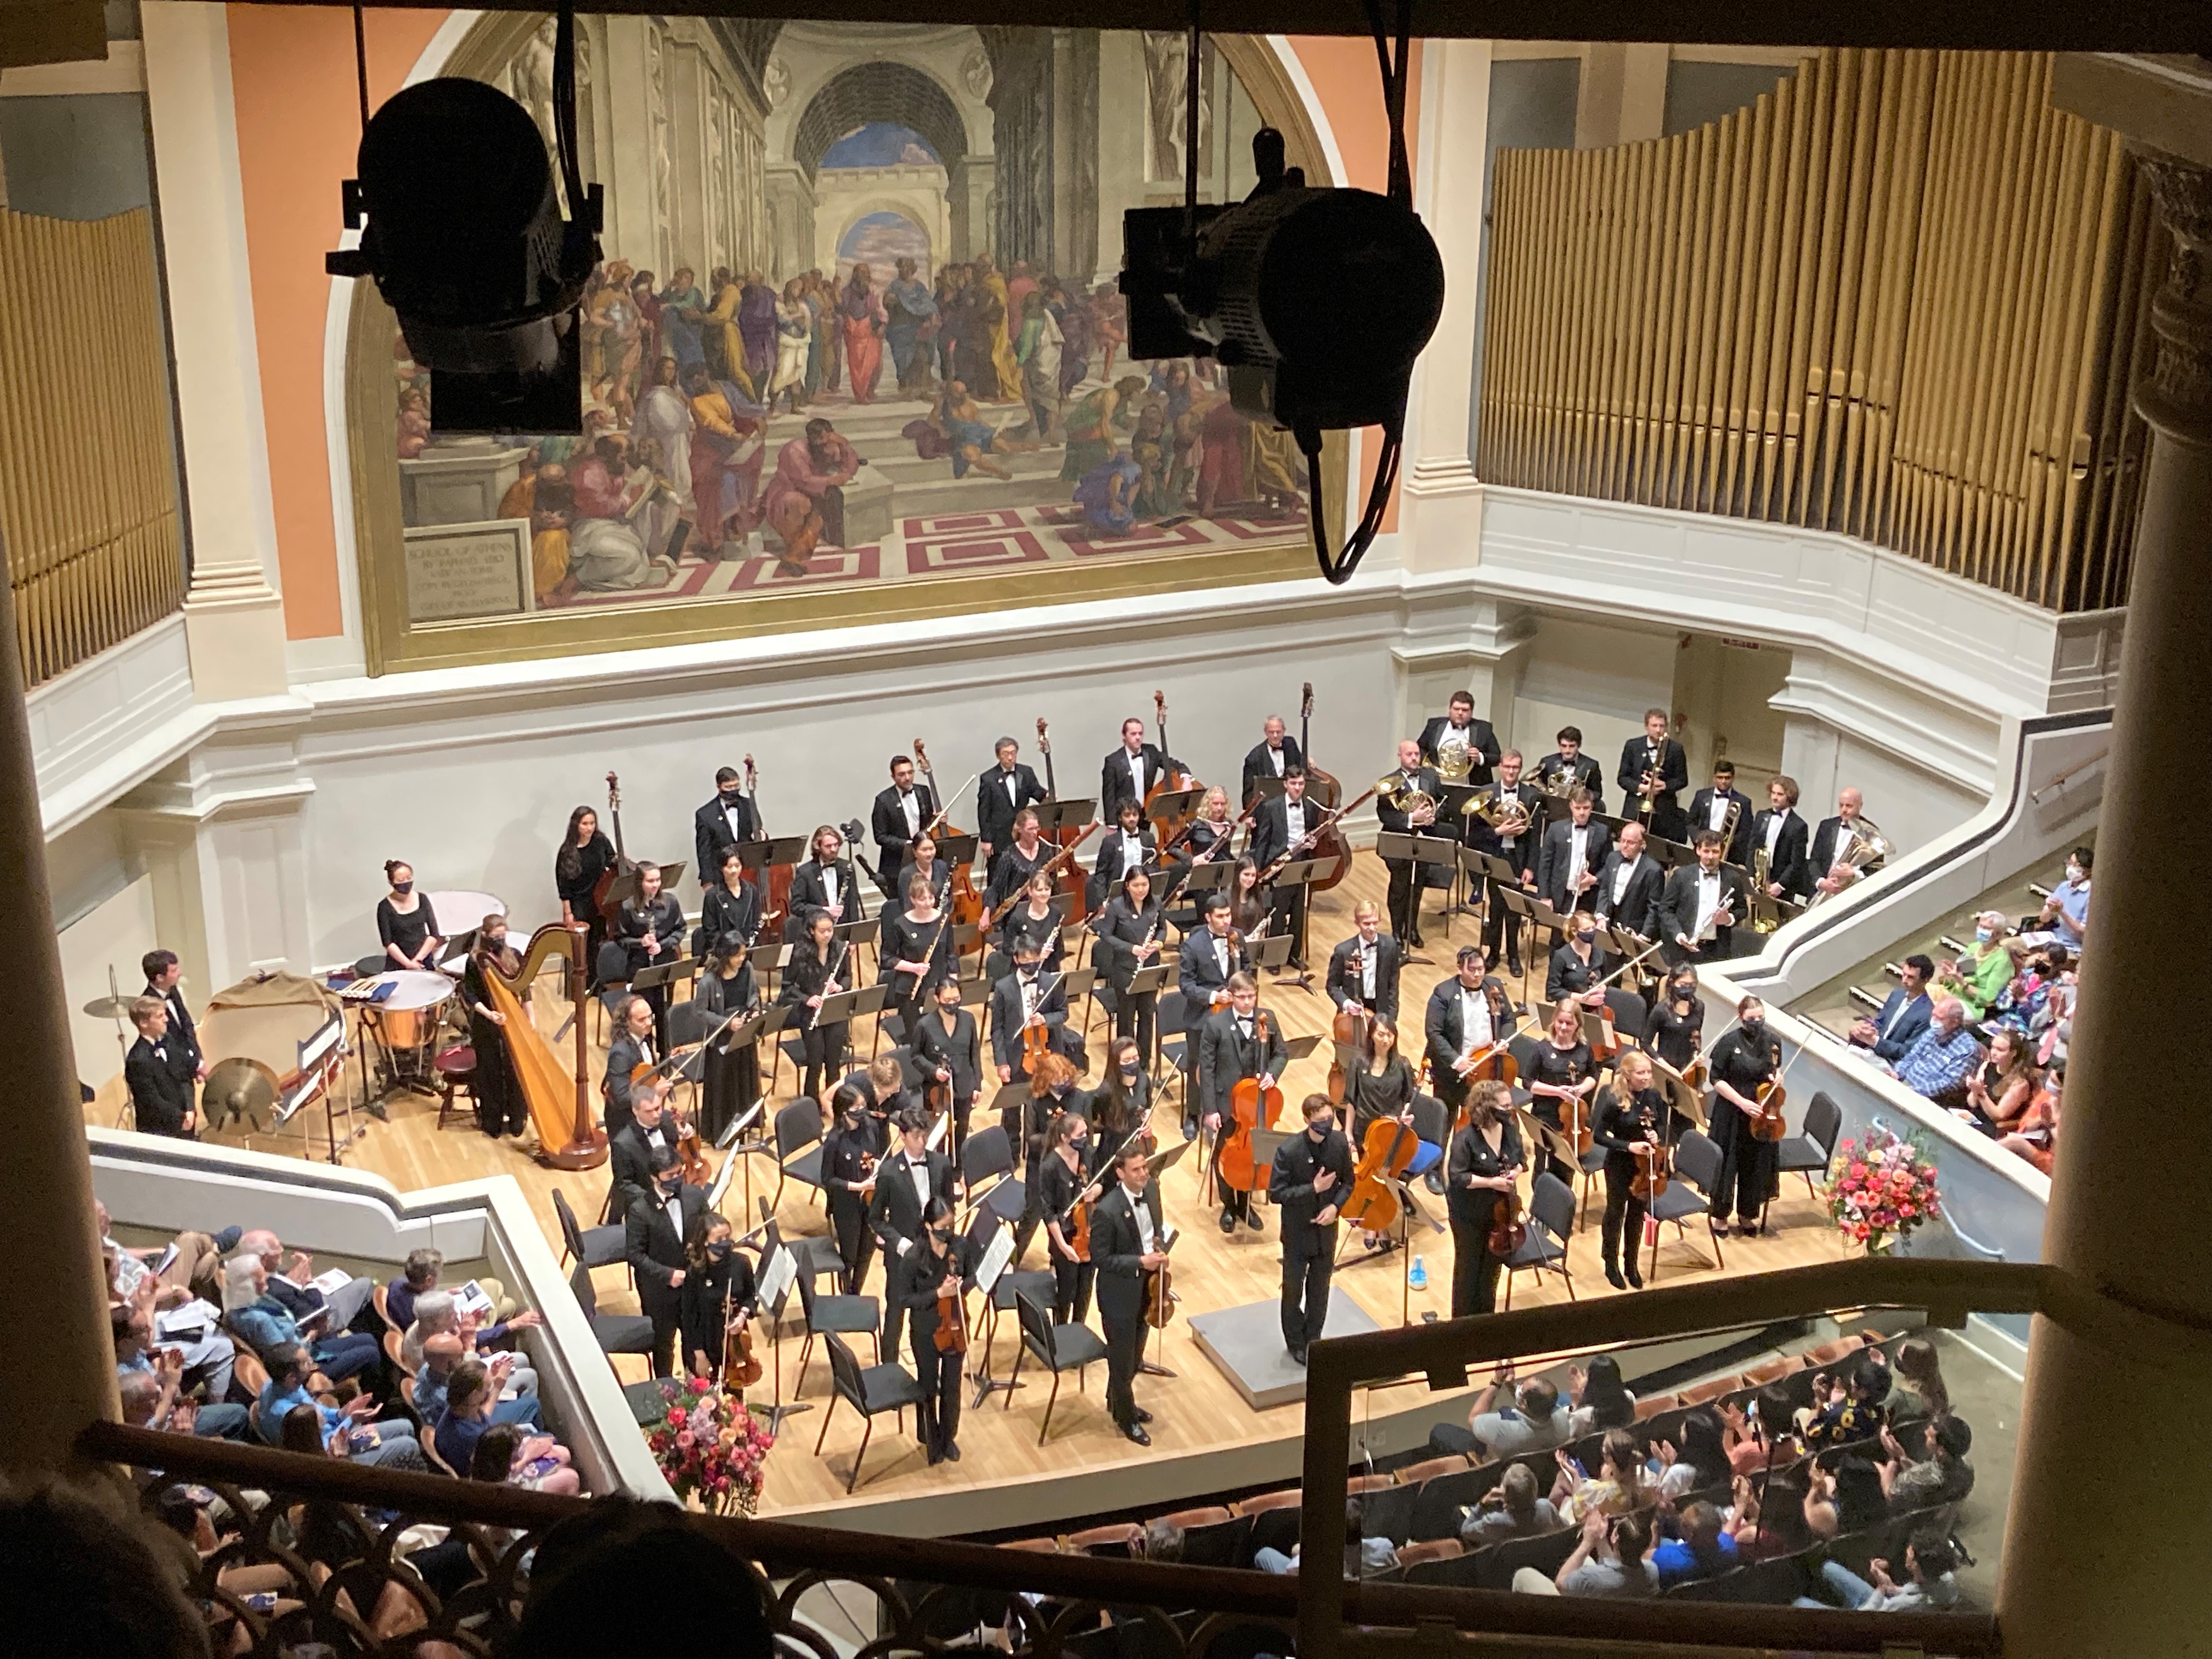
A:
{"points": [[269, 1327], [1694, 1459], [1929, 1562], [1933, 1471], [169, 1371], [1768, 1523], [1536, 1421], [1161, 1540], [1617, 1488], [441, 1355], [1843, 1495], [83, 1573], [1846, 1403], [1609, 1560], [420, 1276], [438, 1311], [1600, 1398], [1938, 1064], [149, 1401], [1978, 978], [327, 1538], [346, 1431], [195, 1269], [1759, 1434], [2037, 1138], [1512, 1509], [293, 1284], [2000, 1089], [536, 1463], [1916, 1390], [1905, 1013], [584, 1582], [208, 1355], [1696, 1546], [1363, 1557]]}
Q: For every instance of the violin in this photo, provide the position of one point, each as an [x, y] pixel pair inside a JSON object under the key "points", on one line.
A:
{"points": [[1159, 1290], [1037, 1040], [1652, 1173], [690, 1155], [1385, 1155], [1766, 1123], [951, 1335], [741, 1369], [1217, 999], [1254, 1108], [1508, 1232]]}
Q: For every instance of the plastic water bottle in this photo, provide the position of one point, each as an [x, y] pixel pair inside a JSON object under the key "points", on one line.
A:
{"points": [[1417, 1274]]}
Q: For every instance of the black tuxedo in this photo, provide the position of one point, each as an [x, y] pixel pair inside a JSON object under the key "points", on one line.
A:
{"points": [[184, 1037], [888, 822], [1108, 869], [995, 807], [1226, 1057], [1271, 839], [1638, 909], [1831, 841], [630, 1161], [1678, 914], [161, 1094], [1481, 742], [895, 1215], [1673, 769], [653, 1246], [815, 888], [1444, 1032], [1405, 894], [1116, 1250], [712, 836], [625, 1055], [1790, 865], [1389, 959], [1738, 849], [1501, 932], [1584, 767], [1552, 874], [1259, 763], [1308, 1248], [1199, 975], [1006, 1019], [1115, 783]]}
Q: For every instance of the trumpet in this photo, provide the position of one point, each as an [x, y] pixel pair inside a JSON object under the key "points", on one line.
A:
{"points": [[1455, 760]]}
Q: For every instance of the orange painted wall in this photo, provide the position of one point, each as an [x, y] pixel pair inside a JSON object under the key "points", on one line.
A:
{"points": [[292, 77], [292, 73]]}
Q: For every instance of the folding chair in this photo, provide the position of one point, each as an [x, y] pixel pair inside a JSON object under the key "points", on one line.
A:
{"points": [[1058, 1348], [1551, 1219], [880, 1389]]}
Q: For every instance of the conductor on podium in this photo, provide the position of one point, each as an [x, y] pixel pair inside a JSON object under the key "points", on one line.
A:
{"points": [[1311, 1174]]}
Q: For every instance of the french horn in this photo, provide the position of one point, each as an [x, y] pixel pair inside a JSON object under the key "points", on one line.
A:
{"points": [[1455, 760]]}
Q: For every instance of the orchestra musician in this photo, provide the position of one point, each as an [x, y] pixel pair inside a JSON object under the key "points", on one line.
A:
{"points": [[730, 914], [1578, 966], [882, 1081], [1027, 997], [819, 970], [636, 1043], [1052, 1096], [1064, 1176], [1740, 1063], [1280, 830], [650, 927], [1501, 928], [1036, 920], [1229, 1051], [1273, 756], [1248, 901], [163, 975], [654, 1232], [908, 1183], [161, 1088], [946, 1047], [1559, 1069], [1709, 809], [1127, 1244], [849, 1163], [720, 1293], [1406, 882], [1677, 1027], [1632, 1118], [1212, 834], [1363, 970], [651, 1129], [823, 884], [897, 818], [1784, 837], [1582, 771], [1698, 909], [1121, 1105], [1001, 792], [1466, 1014], [1459, 726], [1657, 759], [730, 1074], [1130, 845], [1573, 849], [1129, 933], [1382, 1087], [1308, 1181], [1131, 770], [942, 1255], [500, 1109], [1017, 861], [586, 854], [1629, 885], [1210, 957], [1486, 1160], [921, 860], [1834, 841], [405, 922], [729, 820], [915, 952]]}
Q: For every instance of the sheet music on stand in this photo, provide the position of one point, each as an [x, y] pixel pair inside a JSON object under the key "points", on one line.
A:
{"points": [[756, 855], [778, 1274], [1158, 976], [723, 1177], [996, 1254]]}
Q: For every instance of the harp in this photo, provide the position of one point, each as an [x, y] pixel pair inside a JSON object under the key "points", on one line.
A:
{"points": [[558, 1095]]}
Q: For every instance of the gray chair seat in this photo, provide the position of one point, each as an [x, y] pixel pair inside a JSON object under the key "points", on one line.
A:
{"points": [[846, 1315], [617, 1332], [889, 1388]]}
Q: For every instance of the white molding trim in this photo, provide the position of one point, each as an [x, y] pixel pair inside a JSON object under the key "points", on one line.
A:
{"points": [[1287, 55]]}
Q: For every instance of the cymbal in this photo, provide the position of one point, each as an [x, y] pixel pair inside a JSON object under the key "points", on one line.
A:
{"points": [[110, 1007], [239, 1089]]}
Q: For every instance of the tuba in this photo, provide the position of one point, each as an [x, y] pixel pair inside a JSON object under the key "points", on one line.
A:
{"points": [[1455, 760], [1869, 848]]}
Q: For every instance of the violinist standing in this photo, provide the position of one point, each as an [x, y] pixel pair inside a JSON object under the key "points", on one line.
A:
{"points": [[909, 1183], [1126, 1245], [1064, 1177], [720, 1294], [1130, 941], [1632, 1121], [947, 1047], [941, 1257], [1311, 1174], [1231, 1051], [1486, 1159], [1560, 1071], [848, 1176], [1740, 1063]]}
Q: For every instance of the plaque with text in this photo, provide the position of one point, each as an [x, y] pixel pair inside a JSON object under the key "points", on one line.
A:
{"points": [[468, 571]]}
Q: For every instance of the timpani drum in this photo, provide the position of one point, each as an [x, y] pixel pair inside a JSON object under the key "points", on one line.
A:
{"points": [[406, 1023]]}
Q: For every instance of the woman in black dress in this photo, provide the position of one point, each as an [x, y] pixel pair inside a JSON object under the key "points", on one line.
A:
{"points": [[818, 969], [940, 1255], [1743, 1062], [730, 913], [1123, 1105], [1129, 930], [1247, 904], [650, 927], [1063, 1176], [1382, 1091], [1632, 1121], [825, 883], [848, 1176], [1033, 918], [501, 1110], [915, 953], [1678, 1019], [585, 856], [731, 1081], [1558, 1071], [921, 860], [405, 922], [1487, 1159], [719, 1291]]}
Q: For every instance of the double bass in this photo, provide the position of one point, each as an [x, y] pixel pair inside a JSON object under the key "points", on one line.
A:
{"points": [[1068, 881], [1173, 780], [603, 890], [1253, 1108], [1324, 791], [775, 893], [962, 898]]}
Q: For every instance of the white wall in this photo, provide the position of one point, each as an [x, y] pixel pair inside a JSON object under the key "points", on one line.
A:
{"points": [[1596, 677], [115, 934]]}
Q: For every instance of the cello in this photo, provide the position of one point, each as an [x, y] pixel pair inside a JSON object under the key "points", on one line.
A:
{"points": [[1323, 789], [1172, 780], [1253, 1108], [1385, 1154]]}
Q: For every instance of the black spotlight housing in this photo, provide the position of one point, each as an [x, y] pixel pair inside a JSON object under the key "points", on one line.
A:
{"points": [[466, 242]]}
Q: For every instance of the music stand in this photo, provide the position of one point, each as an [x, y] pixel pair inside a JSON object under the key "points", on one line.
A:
{"points": [[1205, 878], [757, 855], [1298, 1047], [843, 1007], [957, 850], [1452, 810], [984, 1230], [1474, 870], [1534, 914], [1303, 872], [1264, 1143], [1269, 952], [1054, 816], [646, 978], [1266, 787], [975, 993], [779, 1271]]}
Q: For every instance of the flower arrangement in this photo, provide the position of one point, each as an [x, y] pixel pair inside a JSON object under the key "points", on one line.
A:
{"points": [[1885, 1189], [710, 1448]]}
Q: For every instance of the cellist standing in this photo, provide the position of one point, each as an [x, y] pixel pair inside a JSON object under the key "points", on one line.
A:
{"points": [[1231, 1048], [1311, 1174]]}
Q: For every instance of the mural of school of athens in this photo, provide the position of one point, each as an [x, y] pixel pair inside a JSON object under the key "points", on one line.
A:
{"points": [[857, 320]]}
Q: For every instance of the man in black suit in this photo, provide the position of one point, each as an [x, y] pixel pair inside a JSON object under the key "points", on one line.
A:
{"points": [[946, 1048], [1279, 831], [900, 813], [1311, 1174], [1698, 911], [1574, 850], [162, 974], [1834, 841], [629, 1154], [722, 824], [653, 1242], [1459, 727], [1466, 1014], [1782, 836], [1208, 961], [906, 1184], [1658, 753], [161, 1086], [1027, 996], [1002, 791], [1229, 1050], [1391, 814], [1273, 756], [1130, 772], [1710, 809], [1127, 1243], [1374, 985], [1581, 770], [1501, 929], [1629, 885]]}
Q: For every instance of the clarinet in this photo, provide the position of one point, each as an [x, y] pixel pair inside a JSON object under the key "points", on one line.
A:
{"points": [[814, 1016]]}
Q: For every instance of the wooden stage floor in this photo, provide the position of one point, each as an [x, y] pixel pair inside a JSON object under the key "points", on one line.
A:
{"points": [[1004, 1477]]}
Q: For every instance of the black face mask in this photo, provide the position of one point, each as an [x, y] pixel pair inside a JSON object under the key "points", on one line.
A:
{"points": [[403, 887], [721, 1252], [1129, 1071], [1754, 1027], [732, 793]]}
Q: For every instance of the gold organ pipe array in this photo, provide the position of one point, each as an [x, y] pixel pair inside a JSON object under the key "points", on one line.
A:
{"points": [[87, 471], [1899, 297]]}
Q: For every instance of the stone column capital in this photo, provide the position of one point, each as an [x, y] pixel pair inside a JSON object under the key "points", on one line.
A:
{"points": [[2176, 396]]}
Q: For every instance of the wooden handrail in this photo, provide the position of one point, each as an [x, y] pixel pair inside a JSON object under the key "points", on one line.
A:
{"points": [[2035, 796]]}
